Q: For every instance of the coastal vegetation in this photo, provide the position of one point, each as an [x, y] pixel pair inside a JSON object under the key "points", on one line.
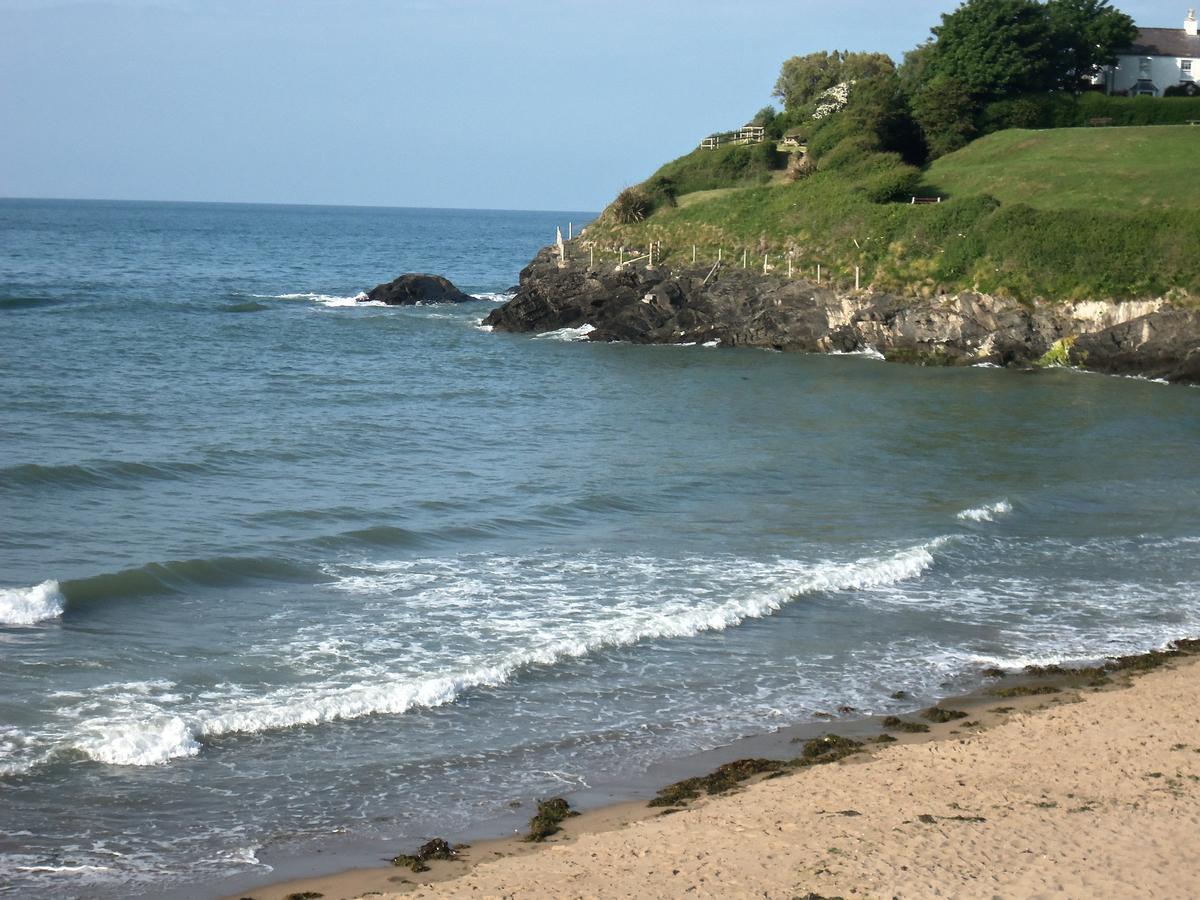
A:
{"points": [[973, 165]]}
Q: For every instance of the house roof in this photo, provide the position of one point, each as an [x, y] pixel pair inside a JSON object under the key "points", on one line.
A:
{"points": [[1164, 42]]}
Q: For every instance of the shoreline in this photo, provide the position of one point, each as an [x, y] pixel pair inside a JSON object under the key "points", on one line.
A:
{"points": [[987, 711], [635, 302]]}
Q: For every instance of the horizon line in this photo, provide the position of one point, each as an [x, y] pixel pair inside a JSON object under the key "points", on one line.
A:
{"points": [[6, 198]]}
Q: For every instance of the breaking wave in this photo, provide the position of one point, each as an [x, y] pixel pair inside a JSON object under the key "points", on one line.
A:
{"points": [[359, 299], [986, 513], [579, 333], [152, 726], [28, 606]]}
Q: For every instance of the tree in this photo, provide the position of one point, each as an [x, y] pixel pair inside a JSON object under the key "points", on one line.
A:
{"points": [[994, 48], [881, 106], [945, 111], [1088, 34], [803, 78], [914, 70]]}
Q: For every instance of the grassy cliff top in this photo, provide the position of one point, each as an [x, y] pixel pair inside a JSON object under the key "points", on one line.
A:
{"points": [[1078, 168], [1059, 214]]}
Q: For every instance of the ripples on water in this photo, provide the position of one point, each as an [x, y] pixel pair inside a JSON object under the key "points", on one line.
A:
{"points": [[275, 565]]}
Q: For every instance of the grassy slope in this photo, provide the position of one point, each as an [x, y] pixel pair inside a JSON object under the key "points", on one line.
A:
{"points": [[1078, 168], [1082, 213]]}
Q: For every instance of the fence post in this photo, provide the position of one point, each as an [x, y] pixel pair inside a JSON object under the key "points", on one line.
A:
{"points": [[719, 251], [764, 263], [818, 273], [621, 258], [693, 254], [650, 262], [789, 265], [570, 231], [745, 254], [856, 270]]}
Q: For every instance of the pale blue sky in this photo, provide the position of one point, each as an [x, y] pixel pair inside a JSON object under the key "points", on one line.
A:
{"points": [[522, 104]]}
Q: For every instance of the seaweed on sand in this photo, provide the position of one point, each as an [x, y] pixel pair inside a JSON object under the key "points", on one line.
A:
{"points": [[1025, 690], [895, 723], [940, 714], [724, 778], [435, 849], [826, 749], [549, 818]]}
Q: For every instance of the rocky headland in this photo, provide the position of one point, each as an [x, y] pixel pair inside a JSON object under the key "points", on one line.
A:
{"points": [[739, 308]]}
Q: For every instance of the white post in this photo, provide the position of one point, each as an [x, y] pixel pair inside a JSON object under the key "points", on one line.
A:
{"points": [[856, 270], [693, 254], [818, 273], [570, 231], [621, 261], [789, 265], [764, 264], [650, 264], [719, 250], [744, 255]]}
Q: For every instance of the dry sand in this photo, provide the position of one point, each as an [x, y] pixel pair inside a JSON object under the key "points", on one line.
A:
{"points": [[1090, 794]]}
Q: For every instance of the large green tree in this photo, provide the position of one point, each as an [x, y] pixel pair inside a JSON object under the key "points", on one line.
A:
{"points": [[945, 111], [994, 48], [1001, 48], [1087, 35], [803, 78]]}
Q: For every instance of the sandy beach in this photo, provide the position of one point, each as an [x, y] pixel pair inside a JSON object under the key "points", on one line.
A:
{"points": [[1088, 792]]}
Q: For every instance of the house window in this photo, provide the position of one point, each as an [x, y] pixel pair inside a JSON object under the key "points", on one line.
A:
{"points": [[1185, 70], [1144, 67]]}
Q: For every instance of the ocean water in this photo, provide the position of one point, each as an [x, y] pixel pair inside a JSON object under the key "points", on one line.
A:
{"points": [[277, 568]]}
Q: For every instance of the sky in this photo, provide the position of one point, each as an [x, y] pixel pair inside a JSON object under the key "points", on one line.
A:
{"points": [[498, 104]]}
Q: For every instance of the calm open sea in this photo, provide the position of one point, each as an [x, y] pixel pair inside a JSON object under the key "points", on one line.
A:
{"points": [[276, 567]]}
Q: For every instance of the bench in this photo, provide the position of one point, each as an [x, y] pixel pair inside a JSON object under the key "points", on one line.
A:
{"points": [[1100, 121], [916, 201]]}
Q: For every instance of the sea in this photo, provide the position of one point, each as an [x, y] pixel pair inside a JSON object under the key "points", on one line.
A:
{"points": [[282, 571]]}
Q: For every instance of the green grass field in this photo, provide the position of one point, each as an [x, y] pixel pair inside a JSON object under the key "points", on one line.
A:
{"points": [[1151, 167], [1064, 214]]}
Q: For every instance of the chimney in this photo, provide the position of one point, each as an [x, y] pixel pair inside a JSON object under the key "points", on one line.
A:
{"points": [[1189, 26]]}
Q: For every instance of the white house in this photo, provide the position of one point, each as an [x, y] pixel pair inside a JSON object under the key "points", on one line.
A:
{"points": [[1158, 59]]}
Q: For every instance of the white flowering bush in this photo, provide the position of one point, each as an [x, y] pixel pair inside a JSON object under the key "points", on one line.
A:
{"points": [[832, 100]]}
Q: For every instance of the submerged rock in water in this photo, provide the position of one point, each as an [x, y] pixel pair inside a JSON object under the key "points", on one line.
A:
{"points": [[736, 307], [414, 289]]}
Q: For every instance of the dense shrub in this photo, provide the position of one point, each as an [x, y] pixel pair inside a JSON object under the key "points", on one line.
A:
{"points": [[730, 166], [895, 182], [1182, 90], [851, 153], [632, 205], [1065, 111], [828, 133]]}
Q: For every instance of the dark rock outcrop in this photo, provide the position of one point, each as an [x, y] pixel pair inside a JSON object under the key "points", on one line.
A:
{"points": [[414, 289], [740, 308]]}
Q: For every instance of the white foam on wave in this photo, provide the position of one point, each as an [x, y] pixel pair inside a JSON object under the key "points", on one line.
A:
{"points": [[359, 299], [495, 296], [865, 353], [986, 513], [142, 742], [711, 344], [149, 735], [28, 606], [567, 334]]}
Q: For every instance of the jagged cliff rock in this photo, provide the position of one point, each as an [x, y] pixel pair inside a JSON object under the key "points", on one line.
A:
{"points": [[738, 308]]}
